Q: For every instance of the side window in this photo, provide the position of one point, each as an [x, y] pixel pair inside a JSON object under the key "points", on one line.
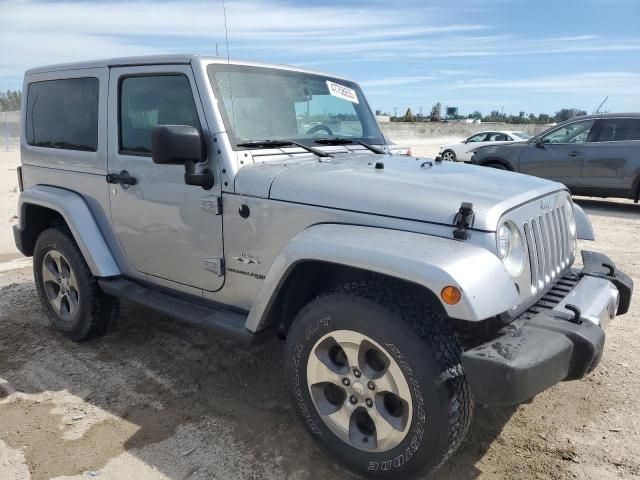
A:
{"points": [[147, 101], [497, 137], [577, 132], [620, 130], [63, 114], [477, 138]]}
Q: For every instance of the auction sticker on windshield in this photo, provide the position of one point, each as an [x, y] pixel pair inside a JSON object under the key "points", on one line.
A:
{"points": [[343, 92]]}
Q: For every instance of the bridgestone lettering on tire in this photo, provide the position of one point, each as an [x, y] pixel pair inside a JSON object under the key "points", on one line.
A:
{"points": [[368, 353]]}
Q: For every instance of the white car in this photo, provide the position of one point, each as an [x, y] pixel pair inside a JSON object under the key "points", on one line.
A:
{"points": [[461, 152]]}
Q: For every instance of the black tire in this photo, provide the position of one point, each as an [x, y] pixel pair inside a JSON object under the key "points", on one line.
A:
{"points": [[452, 155], [415, 334], [95, 310], [496, 165]]}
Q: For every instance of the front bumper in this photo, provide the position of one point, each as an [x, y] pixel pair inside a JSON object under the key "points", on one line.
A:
{"points": [[560, 338]]}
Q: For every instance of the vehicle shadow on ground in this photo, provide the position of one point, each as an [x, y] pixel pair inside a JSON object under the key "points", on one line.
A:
{"points": [[159, 376], [609, 208], [486, 426]]}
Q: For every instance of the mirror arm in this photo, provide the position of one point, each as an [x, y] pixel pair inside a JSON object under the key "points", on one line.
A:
{"points": [[204, 179]]}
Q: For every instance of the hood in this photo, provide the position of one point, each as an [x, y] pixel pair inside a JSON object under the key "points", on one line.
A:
{"points": [[409, 188]]}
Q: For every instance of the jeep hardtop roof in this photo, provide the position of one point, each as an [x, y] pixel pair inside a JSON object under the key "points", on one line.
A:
{"points": [[169, 59]]}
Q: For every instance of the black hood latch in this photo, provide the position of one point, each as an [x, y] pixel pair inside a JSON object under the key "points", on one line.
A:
{"points": [[463, 220]]}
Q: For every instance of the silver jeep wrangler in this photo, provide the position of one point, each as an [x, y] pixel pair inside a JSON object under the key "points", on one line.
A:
{"points": [[261, 201]]}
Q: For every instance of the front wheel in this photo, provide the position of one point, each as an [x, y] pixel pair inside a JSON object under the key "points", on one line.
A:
{"points": [[376, 379], [449, 156]]}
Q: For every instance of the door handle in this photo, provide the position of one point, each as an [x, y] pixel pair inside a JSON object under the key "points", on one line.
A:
{"points": [[575, 153], [123, 178]]}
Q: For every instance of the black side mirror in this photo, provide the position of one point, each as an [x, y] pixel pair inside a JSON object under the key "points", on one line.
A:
{"points": [[176, 144], [181, 145], [539, 143]]}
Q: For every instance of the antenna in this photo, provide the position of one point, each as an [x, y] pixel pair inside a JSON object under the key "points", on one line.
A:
{"points": [[601, 105], [226, 38], [226, 30]]}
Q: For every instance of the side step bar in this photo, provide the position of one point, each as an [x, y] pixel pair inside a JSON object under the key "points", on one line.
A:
{"points": [[220, 320]]}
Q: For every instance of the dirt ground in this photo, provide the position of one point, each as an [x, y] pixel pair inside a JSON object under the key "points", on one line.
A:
{"points": [[157, 400]]}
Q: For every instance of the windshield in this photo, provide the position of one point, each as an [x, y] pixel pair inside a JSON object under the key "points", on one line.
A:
{"points": [[270, 104]]}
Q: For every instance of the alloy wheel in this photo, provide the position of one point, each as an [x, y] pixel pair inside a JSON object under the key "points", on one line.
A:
{"points": [[60, 285], [359, 391], [449, 156]]}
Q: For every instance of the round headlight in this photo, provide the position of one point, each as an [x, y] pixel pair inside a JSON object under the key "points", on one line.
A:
{"points": [[504, 241], [511, 248]]}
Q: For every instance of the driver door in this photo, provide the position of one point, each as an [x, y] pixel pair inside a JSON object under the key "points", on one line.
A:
{"points": [[559, 155], [169, 231]]}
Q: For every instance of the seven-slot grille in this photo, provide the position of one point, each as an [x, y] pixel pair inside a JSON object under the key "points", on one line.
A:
{"points": [[550, 246]]}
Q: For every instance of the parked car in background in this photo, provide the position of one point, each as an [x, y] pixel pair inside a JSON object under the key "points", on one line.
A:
{"points": [[594, 155], [461, 152]]}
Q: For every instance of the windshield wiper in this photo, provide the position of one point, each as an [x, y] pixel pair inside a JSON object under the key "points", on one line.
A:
{"points": [[346, 141], [282, 143]]}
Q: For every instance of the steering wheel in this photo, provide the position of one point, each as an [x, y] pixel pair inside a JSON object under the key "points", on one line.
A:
{"points": [[317, 128]]}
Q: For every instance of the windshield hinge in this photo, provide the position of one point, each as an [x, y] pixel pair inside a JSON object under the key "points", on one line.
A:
{"points": [[212, 204], [463, 220], [214, 265]]}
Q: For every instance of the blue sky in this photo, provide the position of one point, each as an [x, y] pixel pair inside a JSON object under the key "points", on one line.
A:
{"points": [[535, 56]]}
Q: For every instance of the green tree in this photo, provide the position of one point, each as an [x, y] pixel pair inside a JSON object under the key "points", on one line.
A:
{"points": [[409, 116], [544, 118], [10, 100], [567, 113], [495, 116]]}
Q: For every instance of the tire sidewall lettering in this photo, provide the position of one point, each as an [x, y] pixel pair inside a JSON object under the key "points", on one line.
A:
{"points": [[296, 362], [419, 413]]}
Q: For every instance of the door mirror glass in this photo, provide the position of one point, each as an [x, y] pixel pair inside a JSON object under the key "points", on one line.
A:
{"points": [[176, 144]]}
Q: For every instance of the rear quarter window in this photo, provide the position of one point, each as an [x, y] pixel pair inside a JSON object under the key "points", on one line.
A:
{"points": [[620, 130], [63, 114]]}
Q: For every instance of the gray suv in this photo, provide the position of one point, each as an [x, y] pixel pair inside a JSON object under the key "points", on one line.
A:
{"points": [[595, 155], [259, 201]]}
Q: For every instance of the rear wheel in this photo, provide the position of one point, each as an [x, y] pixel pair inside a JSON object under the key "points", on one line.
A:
{"points": [[449, 156], [377, 381], [70, 294]]}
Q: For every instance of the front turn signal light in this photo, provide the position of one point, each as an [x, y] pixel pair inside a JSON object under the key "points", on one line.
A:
{"points": [[451, 295]]}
